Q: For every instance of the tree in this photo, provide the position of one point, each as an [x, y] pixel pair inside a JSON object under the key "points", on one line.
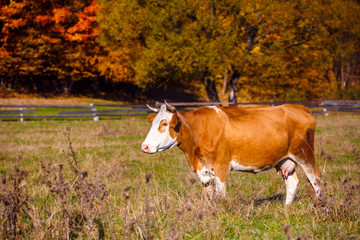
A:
{"points": [[12, 22], [68, 31], [122, 36], [341, 19], [198, 40], [255, 50], [48, 43]]}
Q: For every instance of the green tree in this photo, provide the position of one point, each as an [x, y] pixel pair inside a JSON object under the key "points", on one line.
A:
{"points": [[271, 49], [341, 19], [123, 37]]}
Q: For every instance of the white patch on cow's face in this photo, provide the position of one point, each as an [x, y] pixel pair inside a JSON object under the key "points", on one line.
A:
{"points": [[157, 141], [215, 108]]}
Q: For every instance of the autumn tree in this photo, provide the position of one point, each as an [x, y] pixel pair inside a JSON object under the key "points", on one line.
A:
{"points": [[122, 35], [12, 23], [341, 19], [253, 50], [290, 62], [270, 49], [50, 43]]}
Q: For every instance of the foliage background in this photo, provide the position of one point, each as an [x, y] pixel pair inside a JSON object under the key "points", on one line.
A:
{"points": [[217, 50]]}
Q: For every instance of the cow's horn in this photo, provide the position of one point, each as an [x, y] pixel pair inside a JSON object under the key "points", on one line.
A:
{"points": [[170, 107], [153, 109]]}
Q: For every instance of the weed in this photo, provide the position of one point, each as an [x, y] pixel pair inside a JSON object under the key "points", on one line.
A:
{"points": [[72, 209], [287, 231], [79, 199], [72, 161], [328, 206], [127, 225], [13, 201]]}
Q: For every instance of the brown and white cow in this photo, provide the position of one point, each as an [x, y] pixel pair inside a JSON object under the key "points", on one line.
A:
{"points": [[217, 140]]}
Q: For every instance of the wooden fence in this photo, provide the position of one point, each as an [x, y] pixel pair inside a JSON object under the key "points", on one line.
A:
{"points": [[97, 111]]}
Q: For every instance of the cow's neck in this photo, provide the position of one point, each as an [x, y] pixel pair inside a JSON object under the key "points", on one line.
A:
{"points": [[188, 142]]}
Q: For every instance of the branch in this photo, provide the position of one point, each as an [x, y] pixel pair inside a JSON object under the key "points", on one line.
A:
{"points": [[251, 41], [296, 44], [264, 34]]}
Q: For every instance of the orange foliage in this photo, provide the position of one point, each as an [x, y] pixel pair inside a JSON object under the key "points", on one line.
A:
{"points": [[11, 18], [48, 38], [84, 28], [273, 36], [43, 19], [60, 15]]}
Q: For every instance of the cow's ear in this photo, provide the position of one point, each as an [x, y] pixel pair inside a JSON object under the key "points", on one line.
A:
{"points": [[175, 123], [151, 117]]}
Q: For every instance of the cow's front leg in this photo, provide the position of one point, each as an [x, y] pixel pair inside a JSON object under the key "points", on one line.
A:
{"points": [[209, 189], [221, 172], [220, 187], [214, 189], [214, 186], [207, 178]]}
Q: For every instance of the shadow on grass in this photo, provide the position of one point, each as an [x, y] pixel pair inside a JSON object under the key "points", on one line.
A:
{"points": [[276, 198]]}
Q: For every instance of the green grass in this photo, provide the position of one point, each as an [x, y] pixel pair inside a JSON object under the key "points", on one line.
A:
{"points": [[56, 111], [171, 205]]}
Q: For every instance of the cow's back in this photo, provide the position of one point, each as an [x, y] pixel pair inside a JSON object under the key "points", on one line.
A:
{"points": [[262, 136]]}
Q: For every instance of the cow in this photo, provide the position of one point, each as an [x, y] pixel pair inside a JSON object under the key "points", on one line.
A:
{"points": [[220, 139]]}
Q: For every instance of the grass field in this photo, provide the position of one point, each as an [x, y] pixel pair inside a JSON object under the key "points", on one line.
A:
{"points": [[85, 179]]}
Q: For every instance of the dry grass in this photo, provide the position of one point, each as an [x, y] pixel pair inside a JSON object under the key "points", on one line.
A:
{"points": [[84, 180]]}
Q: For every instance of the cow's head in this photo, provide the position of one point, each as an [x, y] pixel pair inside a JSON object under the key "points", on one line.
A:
{"points": [[164, 130]]}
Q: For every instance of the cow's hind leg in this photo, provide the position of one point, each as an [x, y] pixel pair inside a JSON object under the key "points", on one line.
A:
{"points": [[292, 182], [287, 169], [312, 174], [302, 152]]}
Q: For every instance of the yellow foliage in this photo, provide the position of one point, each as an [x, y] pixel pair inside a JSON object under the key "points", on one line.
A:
{"points": [[256, 50]]}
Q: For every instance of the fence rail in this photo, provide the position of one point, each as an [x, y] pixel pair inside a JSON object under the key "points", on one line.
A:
{"points": [[92, 110]]}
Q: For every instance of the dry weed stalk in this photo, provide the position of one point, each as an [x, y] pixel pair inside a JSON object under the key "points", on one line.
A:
{"points": [[143, 218], [13, 200], [77, 201], [148, 209], [127, 233], [328, 206], [287, 231], [191, 209]]}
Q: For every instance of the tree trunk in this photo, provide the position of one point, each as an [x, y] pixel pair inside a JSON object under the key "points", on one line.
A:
{"points": [[210, 87], [223, 90], [233, 88], [342, 75], [346, 79]]}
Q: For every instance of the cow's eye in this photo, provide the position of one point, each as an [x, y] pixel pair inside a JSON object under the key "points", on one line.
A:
{"points": [[164, 124]]}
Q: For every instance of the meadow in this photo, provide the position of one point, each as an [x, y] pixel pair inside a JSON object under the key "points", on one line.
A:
{"points": [[89, 180]]}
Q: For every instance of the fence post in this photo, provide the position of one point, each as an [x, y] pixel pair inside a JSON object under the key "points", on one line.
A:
{"points": [[21, 115], [325, 111], [93, 108]]}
